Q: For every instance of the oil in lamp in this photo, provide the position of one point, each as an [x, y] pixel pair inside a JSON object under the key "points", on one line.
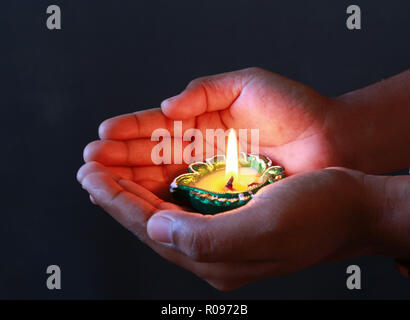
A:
{"points": [[224, 183]]}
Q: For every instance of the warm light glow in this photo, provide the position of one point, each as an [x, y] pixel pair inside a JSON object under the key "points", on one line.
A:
{"points": [[232, 156]]}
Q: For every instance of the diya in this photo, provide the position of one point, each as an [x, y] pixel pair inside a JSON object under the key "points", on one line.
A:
{"points": [[224, 183]]}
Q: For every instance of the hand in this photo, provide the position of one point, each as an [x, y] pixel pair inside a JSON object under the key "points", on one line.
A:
{"points": [[294, 223], [300, 221], [290, 116], [121, 177]]}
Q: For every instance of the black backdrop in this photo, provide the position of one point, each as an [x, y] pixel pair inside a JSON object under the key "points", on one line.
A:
{"points": [[114, 57]]}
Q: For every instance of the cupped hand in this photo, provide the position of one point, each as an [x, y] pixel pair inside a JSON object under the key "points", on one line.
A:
{"points": [[291, 118], [303, 220], [280, 231]]}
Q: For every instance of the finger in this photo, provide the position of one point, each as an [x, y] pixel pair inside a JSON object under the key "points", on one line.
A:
{"points": [[141, 152], [155, 184], [154, 178], [118, 153], [127, 208], [207, 94], [161, 189], [93, 166], [121, 153], [140, 124], [164, 173], [145, 194], [161, 174], [93, 200]]}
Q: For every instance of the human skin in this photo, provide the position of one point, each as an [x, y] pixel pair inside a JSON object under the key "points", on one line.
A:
{"points": [[309, 218]]}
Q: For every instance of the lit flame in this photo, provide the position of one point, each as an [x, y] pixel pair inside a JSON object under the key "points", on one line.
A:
{"points": [[231, 169]]}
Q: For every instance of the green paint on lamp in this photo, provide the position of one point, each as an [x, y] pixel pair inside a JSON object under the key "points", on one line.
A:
{"points": [[209, 202]]}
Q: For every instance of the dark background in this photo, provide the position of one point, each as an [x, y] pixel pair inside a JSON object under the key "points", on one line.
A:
{"points": [[113, 57]]}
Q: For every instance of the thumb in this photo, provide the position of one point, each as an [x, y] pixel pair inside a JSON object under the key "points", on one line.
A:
{"points": [[206, 94], [238, 235]]}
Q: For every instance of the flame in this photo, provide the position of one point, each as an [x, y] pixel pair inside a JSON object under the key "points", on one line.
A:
{"points": [[231, 169]]}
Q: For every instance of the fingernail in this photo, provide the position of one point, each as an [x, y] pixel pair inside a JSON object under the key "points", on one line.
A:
{"points": [[168, 101], [93, 200], [160, 229]]}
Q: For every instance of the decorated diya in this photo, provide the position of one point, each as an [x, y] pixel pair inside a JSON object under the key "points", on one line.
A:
{"points": [[224, 183]]}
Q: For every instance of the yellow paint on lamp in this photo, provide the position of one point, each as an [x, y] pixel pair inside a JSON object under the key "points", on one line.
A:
{"points": [[216, 181]]}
